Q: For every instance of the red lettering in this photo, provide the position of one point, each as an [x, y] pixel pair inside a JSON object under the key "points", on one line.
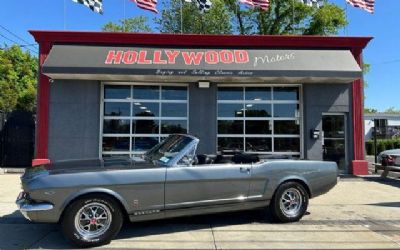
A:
{"points": [[226, 56], [241, 56], [130, 57], [157, 58], [191, 57], [211, 57], [172, 54], [114, 58], [142, 57]]}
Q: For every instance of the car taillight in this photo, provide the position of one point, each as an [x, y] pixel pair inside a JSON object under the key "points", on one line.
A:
{"points": [[391, 159]]}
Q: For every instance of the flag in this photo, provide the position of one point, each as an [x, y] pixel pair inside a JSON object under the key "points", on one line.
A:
{"points": [[147, 4], [203, 5], [94, 5], [263, 4], [367, 5], [313, 3]]}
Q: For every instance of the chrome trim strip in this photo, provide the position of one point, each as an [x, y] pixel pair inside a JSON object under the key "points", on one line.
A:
{"points": [[35, 207], [240, 198]]}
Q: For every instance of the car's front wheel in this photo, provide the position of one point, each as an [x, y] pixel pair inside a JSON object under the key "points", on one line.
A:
{"points": [[92, 221], [289, 202]]}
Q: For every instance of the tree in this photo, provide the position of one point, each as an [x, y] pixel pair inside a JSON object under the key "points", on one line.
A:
{"points": [[392, 110], [216, 21], [370, 110], [133, 24], [18, 78], [229, 17]]}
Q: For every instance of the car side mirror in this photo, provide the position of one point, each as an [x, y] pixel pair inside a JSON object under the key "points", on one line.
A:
{"points": [[186, 160]]}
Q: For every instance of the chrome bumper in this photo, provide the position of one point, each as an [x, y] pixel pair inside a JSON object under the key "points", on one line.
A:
{"points": [[27, 209]]}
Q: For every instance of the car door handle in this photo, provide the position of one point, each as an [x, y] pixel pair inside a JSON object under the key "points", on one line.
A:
{"points": [[244, 169]]}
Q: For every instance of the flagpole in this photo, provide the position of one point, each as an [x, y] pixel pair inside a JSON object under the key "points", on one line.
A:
{"points": [[123, 22], [181, 16], [345, 11], [65, 13]]}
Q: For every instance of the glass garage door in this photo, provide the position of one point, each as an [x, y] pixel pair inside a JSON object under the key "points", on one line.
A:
{"points": [[259, 119], [136, 117]]}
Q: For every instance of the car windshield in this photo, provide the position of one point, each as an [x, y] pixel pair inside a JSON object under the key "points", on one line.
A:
{"points": [[168, 149]]}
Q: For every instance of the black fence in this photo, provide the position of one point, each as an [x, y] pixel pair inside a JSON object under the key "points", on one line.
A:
{"points": [[17, 138]]}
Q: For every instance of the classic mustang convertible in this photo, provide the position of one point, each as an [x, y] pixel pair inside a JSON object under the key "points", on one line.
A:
{"points": [[91, 198]]}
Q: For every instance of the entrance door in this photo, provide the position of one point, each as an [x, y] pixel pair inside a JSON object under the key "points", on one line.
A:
{"points": [[334, 139]]}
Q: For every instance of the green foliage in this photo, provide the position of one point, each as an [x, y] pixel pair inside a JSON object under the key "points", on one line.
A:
{"points": [[133, 24], [392, 110], [370, 110], [18, 78], [283, 17], [381, 145], [216, 21], [230, 17]]}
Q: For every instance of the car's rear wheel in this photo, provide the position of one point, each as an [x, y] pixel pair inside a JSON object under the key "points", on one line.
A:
{"points": [[92, 221], [289, 202]]}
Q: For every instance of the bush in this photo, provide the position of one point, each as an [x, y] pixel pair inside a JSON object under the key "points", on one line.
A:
{"points": [[382, 145]]}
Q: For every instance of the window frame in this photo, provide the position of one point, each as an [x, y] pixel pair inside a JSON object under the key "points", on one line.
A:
{"points": [[132, 118], [271, 119]]}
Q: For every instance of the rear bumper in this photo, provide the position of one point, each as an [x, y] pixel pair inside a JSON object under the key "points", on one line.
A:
{"points": [[33, 211]]}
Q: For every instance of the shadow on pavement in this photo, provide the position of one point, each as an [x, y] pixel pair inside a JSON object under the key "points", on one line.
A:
{"points": [[386, 204], [199, 222], [386, 181]]}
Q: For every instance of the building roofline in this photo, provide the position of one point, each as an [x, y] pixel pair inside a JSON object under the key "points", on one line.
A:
{"points": [[256, 41]]}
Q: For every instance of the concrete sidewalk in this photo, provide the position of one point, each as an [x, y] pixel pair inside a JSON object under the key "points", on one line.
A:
{"points": [[359, 213]]}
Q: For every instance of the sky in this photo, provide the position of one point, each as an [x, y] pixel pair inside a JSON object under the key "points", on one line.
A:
{"points": [[382, 53]]}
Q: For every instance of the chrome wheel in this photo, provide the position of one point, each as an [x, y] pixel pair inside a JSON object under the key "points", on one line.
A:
{"points": [[93, 220], [291, 202]]}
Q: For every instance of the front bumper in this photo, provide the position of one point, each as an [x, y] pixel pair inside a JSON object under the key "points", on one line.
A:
{"points": [[29, 209]]}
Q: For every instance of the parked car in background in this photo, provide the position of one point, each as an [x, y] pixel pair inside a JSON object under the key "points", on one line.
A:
{"points": [[91, 198], [389, 157]]}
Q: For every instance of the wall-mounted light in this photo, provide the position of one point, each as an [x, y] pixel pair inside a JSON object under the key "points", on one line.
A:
{"points": [[204, 84]]}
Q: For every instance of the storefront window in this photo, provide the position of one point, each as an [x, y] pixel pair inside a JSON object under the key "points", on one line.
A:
{"points": [[137, 117], [259, 119]]}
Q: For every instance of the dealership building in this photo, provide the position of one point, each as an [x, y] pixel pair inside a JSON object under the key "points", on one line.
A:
{"points": [[105, 94]]}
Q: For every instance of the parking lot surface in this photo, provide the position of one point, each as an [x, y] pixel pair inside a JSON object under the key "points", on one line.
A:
{"points": [[359, 213]]}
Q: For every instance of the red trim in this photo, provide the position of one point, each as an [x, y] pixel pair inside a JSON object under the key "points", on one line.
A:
{"points": [[42, 125], [359, 164], [47, 38], [38, 162], [177, 40]]}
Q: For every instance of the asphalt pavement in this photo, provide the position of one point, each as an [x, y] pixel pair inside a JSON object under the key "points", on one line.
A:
{"points": [[359, 213]]}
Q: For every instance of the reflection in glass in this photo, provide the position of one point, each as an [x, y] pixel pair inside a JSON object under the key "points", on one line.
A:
{"points": [[285, 110], [173, 126], [117, 91], [230, 127], [258, 93], [258, 127], [174, 110], [146, 92], [117, 109], [173, 93], [145, 126], [287, 144], [146, 109], [286, 93], [286, 127], [115, 143], [116, 126], [258, 144], [335, 150], [143, 143], [230, 110], [333, 126], [231, 93], [258, 110], [230, 144]]}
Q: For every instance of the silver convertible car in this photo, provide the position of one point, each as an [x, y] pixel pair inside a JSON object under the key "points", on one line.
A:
{"points": [[91, 198]]}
